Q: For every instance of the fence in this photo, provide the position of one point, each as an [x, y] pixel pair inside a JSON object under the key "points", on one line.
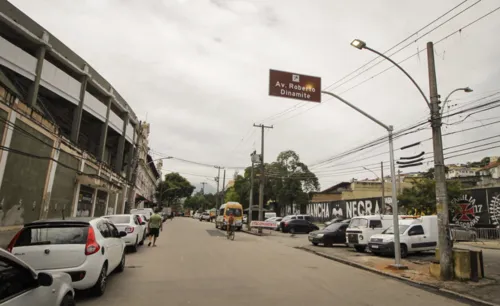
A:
{"points": [[488, 233]]}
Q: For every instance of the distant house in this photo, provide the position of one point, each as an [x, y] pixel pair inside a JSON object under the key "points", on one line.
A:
{"points": [[456, 171], [492, 169]]}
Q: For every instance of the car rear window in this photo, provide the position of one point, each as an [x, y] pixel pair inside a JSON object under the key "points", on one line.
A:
{"points": [[119, 219], [52, 235]]}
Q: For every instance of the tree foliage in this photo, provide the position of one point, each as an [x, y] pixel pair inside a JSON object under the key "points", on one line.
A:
{"points": [[172, 188], [200, 201], [421, 197], [231, 195], [287, 181]]}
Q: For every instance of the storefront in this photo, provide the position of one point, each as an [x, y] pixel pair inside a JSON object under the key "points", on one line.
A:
{"points": [[84, 207]]}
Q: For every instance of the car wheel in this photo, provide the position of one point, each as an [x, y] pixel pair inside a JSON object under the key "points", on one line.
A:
{"points": [[121, 266], [68, 300], [404, 251], [100, 286], [134, 247], [360, 248]]}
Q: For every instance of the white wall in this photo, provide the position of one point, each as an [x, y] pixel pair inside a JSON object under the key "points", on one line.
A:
{"points": [[95, 107], [115, 122], [60, 83], [16, 59]]}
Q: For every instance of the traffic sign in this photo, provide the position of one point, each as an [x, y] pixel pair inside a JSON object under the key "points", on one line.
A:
{"points": [[295, 86]]}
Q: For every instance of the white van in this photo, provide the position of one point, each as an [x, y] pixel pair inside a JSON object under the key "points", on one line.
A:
{"points": [[415, 235], [362, 228], [268, 215], [148, 212]]}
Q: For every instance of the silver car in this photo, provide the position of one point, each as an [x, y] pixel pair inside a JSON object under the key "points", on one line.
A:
{"points": [[20, 285]]}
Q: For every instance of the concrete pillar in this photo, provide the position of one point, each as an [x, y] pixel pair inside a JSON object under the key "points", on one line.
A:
{"points": [[9, 130], [94, 200], [104, 132], [77, 114], [116, 202], [131, 154], [77, 188], [50, 181], [121, 146], [107, 202], [40, 56]]}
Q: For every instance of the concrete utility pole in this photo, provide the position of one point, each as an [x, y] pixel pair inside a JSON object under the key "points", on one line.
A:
{"points": [[134, 166], [382, 180], [444, 241], [262, 170], [203, 187], [217, 179], [224, 187], [250, 211]]}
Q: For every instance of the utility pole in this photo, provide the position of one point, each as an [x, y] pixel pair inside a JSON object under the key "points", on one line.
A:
{"points": [[250, 212], [224, 187], [217, 179], [382, 180], [444, 241], [262, 170], [203, 187]]}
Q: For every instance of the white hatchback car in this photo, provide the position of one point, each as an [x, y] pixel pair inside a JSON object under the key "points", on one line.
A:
{"points": [[87, 249], [20, 285], [133, 226]]}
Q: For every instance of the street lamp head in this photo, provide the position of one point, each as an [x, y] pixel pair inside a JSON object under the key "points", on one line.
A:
{"points": [[357, 43], [468, 89]]}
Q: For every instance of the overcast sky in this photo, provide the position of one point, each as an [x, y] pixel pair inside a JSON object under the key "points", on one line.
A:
{"points": [[198, 71]]}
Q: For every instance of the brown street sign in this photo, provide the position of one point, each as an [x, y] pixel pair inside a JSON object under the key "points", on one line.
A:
{"points": [[296, 86]]}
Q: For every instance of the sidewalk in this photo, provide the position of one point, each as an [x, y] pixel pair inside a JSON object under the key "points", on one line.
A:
{"points": [[484, 292]]}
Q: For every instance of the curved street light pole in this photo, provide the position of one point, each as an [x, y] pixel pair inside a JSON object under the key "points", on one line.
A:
{"points": [[389, 129], [465, 89], [444, 240]]}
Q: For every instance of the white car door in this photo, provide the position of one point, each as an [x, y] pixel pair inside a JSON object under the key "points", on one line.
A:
{"points": [[18, 286], [416, 237], [108, 244], [118, 243]]}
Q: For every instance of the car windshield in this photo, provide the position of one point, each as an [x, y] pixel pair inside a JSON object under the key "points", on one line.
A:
{"points": [[333, 227], [358, 222], [52, 235], [235, 211], [390, 230], [118, 219]]}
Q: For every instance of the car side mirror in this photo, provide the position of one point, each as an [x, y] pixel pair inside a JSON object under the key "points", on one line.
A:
{"points": [[122, 234], [45, 279]]}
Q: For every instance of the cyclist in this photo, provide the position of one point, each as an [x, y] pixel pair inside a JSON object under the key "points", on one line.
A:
{"points": [[230, 222]]}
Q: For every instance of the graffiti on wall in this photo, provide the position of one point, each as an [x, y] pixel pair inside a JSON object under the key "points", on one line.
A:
{"points": [[477, 207], [348, 209]]}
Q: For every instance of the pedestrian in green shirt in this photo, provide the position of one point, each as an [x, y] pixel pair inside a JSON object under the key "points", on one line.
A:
{"points": [[155, 225]]}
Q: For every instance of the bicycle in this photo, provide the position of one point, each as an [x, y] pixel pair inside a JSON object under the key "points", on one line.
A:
{"points": [[230, 234]]}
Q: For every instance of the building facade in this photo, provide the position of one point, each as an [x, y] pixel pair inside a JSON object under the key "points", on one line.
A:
{"points": [[68, 137], [148, 174]]}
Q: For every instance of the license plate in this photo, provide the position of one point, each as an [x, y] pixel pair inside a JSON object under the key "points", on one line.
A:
{"points": [[374, 246]]}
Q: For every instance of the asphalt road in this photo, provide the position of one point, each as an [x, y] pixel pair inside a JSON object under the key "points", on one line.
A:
{"points": [[194, 264]]}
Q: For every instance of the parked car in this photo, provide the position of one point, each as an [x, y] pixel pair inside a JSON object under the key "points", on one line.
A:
{"points": [[332, 234], [277, 220], [298, 226], [88, 249], [21, 285], [461, 233], [337, 220], [205, 217], [293, 217], [133, 226]]}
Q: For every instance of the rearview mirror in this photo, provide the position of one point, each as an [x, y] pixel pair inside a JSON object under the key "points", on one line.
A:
{"points": [[45, 279], [123, 234]]}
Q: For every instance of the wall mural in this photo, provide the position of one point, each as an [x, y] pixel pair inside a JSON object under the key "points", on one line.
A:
{"points": [[478, 207]]}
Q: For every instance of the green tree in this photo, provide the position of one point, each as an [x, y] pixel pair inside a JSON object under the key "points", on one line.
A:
{"points": [[172, 188], [200, 201], [231, 195], [421, 197]]}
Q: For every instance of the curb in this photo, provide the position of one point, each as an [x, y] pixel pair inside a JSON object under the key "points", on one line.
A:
{"points": [[406, 280], [483, 247]]}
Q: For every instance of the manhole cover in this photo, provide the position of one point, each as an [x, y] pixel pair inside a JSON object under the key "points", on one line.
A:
{"points": [[215, 233], [133, 267]]}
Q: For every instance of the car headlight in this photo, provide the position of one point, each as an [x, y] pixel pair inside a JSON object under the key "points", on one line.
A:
{"points": [[360, 237], [319, 235]]}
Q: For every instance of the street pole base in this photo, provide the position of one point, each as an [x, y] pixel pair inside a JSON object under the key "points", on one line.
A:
{"points": [[398, 267]]}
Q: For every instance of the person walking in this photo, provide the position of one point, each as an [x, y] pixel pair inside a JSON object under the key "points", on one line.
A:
{"points": [[155, 225]]}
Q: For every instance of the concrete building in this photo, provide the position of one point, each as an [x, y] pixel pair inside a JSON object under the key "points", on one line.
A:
{"points": [[68, 137], [148, 174], [455, 171]]}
